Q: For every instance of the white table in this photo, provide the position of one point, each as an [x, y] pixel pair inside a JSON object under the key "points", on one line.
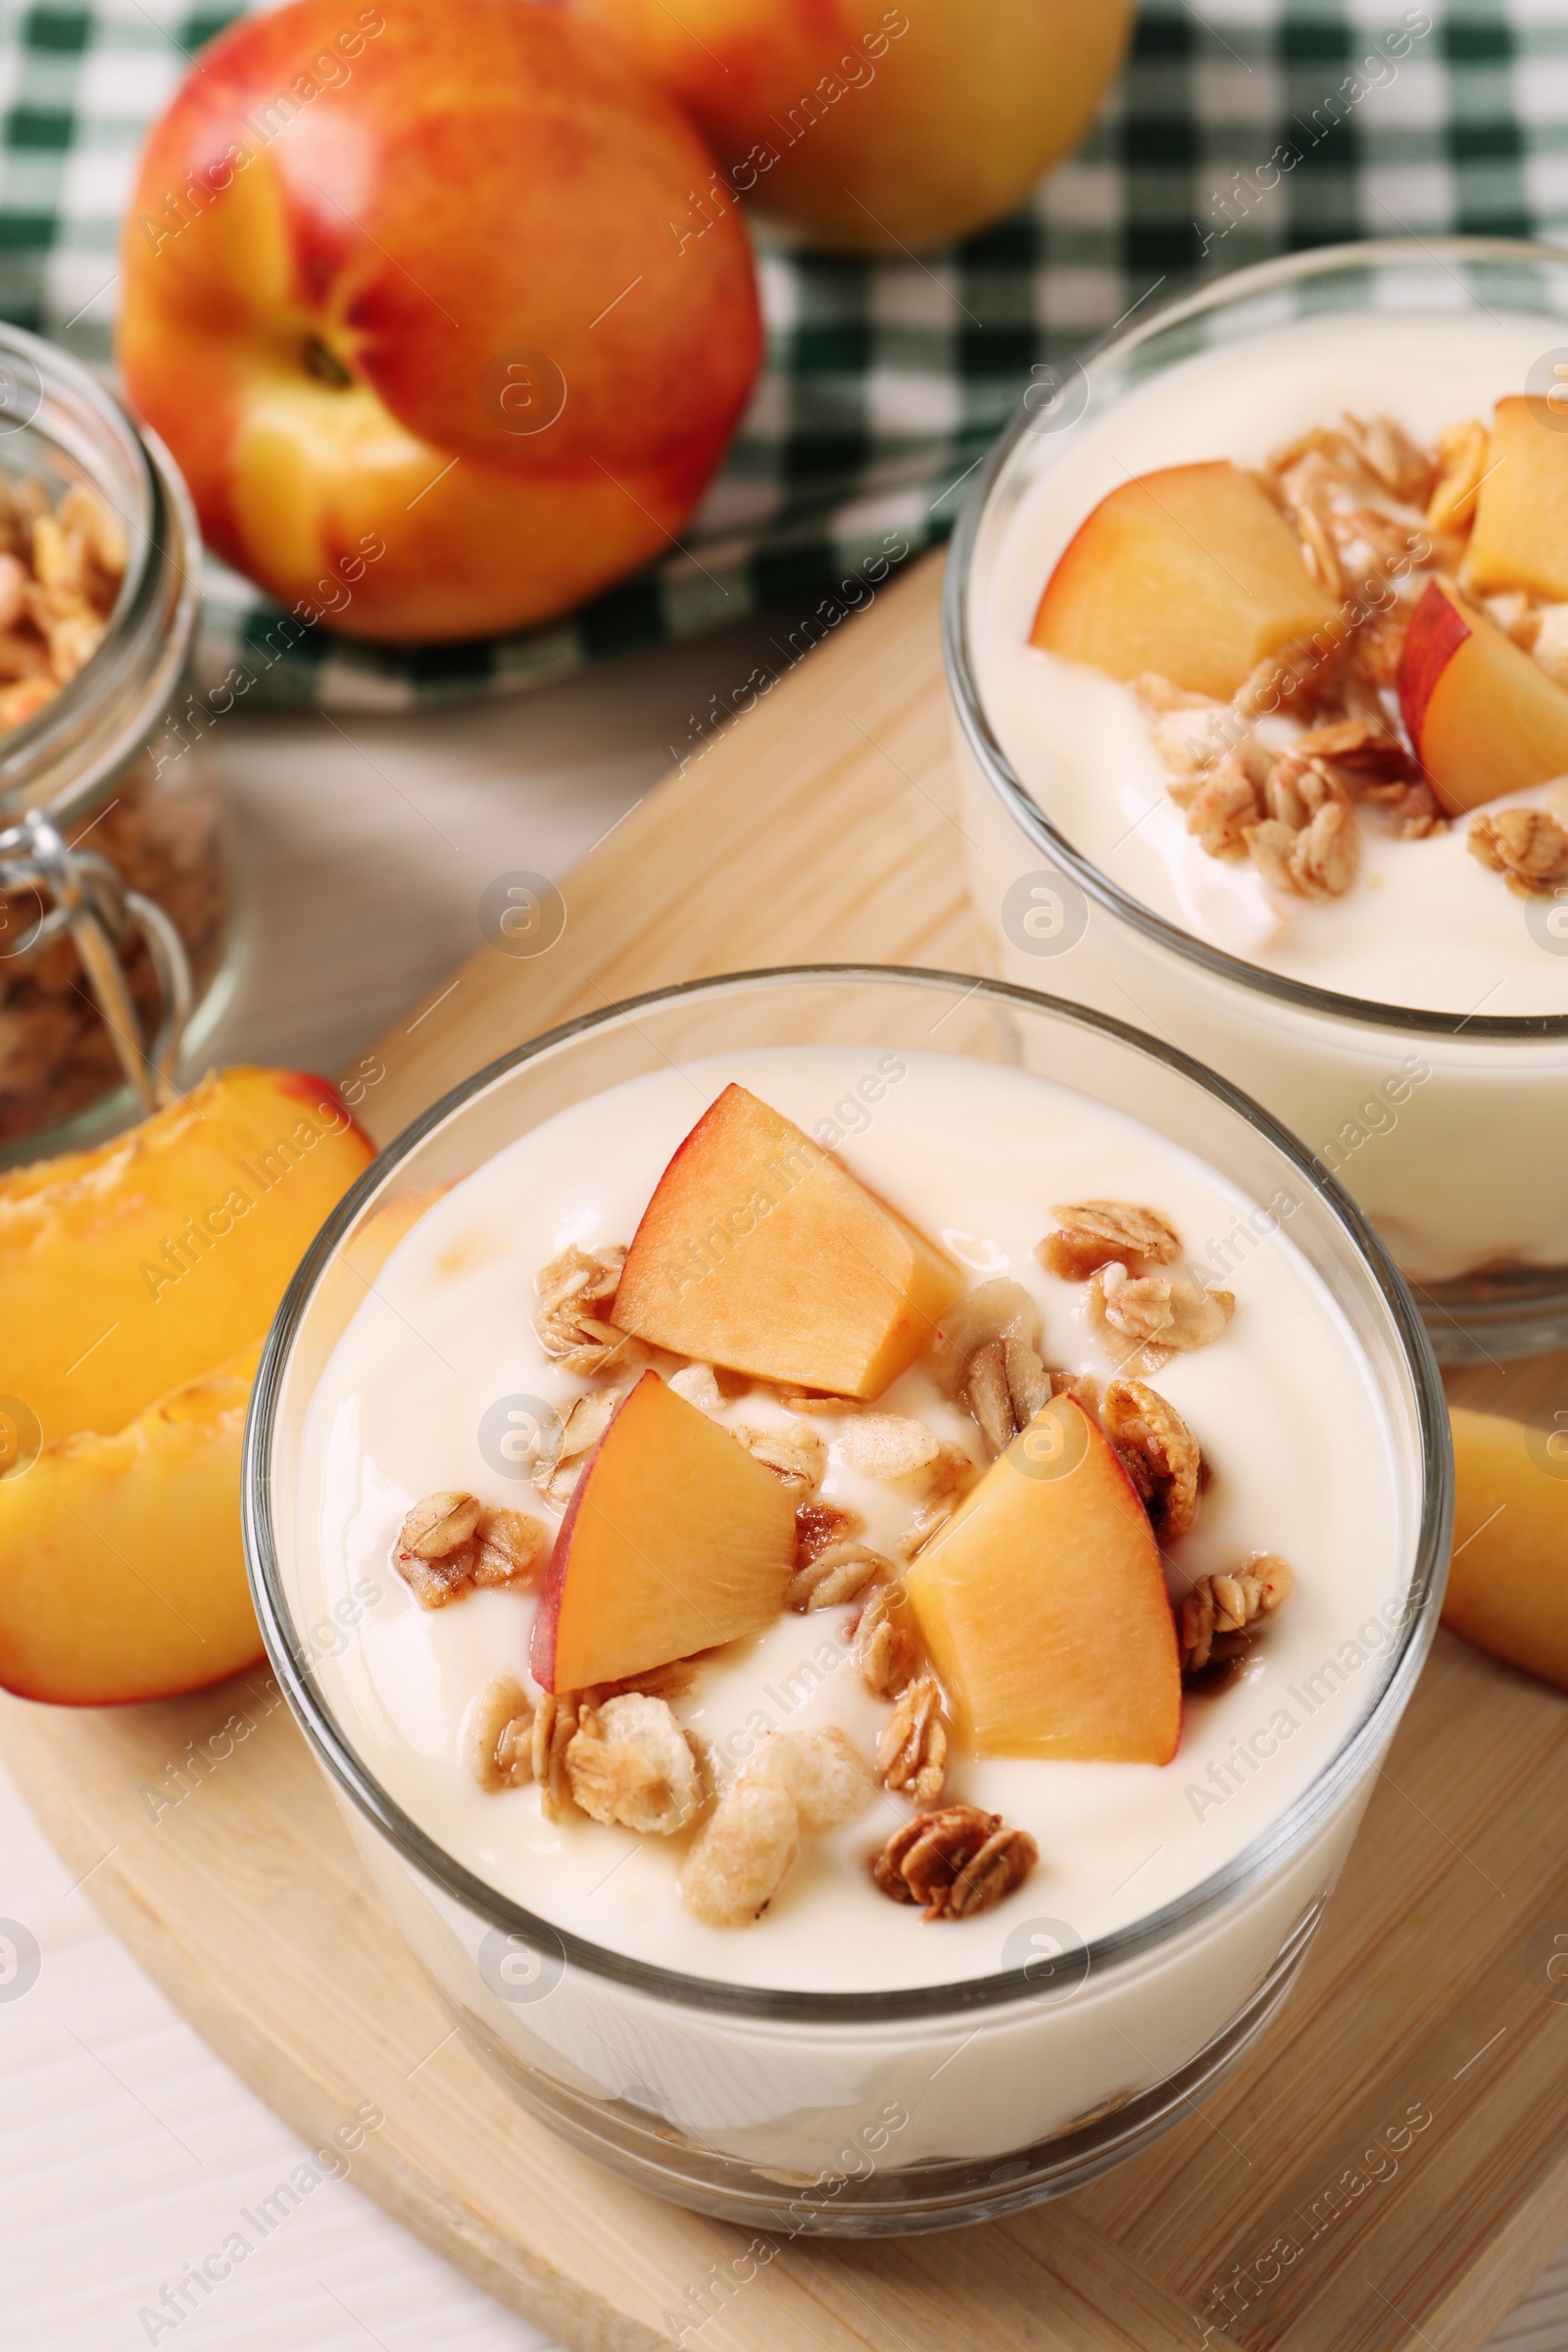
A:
{"points": [[128, 2151]]}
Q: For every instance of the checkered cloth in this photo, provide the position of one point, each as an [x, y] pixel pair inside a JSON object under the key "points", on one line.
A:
{"points": [[885, 381]]}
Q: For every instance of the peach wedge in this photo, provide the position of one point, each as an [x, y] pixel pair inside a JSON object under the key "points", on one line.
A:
{"points": [[1190, 572], [760, 1252], [1520, 538], [1484, 718], [675, 1539], [130, 1269], [1043, 1604], [1508, 1580], [121, 1575]]}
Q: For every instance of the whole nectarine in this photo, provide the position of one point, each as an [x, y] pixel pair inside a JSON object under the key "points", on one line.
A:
{"points": [[873, 128], [401, 296]]}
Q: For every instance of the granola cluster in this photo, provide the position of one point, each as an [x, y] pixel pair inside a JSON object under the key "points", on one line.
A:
{"points": [[911, 1754], [833, 1575], [956, 1862], [61, 568], [619, 1754], [574, 1290], [1220, 1616], [1143, 1314], [451, 1542], [793, 1784], [621, 1758], [1526, 847], [1157, 1452]]}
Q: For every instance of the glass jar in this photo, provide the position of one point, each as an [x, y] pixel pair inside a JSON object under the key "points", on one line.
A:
{"points": [[1450, 1127], [778, 2109], [114, 868]]}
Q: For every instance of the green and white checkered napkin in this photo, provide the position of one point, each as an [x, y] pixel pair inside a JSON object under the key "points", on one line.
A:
{"points": [[1242, 128]]}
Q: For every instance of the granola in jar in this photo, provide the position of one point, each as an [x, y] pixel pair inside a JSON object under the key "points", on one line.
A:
{"points": [[103, 799]]}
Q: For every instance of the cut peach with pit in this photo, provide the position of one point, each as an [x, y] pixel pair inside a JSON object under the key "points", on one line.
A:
{"points": [[1520, 537], [1509, 1580], [758, 1251], [130, 1269], [1044, 1608], [1190, 572], [675, 1539], [121, 1573], [1481, 716]]}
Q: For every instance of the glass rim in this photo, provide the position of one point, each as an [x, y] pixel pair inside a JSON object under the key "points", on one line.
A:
{"points": [[1257, 277], [61, 759], [335, 1751]]}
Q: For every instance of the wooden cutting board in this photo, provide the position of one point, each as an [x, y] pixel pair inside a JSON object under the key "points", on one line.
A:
{"points": [[1388, 2168]]}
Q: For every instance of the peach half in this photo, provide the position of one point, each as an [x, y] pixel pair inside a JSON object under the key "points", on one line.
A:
{"points": [[1044, 1608], [129, 1269], [134, 1282], [1190, 572], [758, 1251], [121, 1575]]}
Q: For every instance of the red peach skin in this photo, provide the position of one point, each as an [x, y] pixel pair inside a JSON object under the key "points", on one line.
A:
{"points": [[366, 247]]}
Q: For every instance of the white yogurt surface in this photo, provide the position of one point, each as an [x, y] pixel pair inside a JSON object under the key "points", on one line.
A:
{"points": [[1424, 925], [1283, 1406]]}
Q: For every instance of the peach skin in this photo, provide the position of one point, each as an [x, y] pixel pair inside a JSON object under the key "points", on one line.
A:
{"points": [[401, 296], [874, 129]]}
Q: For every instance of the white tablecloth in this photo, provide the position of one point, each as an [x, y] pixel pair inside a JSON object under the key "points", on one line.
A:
{"points": [[126, 2150]]}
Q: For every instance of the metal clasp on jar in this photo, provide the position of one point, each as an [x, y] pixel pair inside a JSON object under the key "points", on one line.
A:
{"points": [[89, 899]]}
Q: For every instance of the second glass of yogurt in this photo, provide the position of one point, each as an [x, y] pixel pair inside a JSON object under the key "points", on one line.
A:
{"points": [[853, 1663], [1321, 491]]}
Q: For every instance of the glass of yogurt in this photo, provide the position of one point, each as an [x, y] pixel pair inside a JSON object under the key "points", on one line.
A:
{"points": [[890, 1902], [1318, 490]]}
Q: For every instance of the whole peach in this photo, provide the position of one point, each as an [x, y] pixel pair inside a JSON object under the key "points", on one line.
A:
{"points": [[873, 128], [401, 297]]}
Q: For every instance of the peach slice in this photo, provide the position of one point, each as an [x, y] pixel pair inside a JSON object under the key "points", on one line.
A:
{"points": [[674, 1539], [1509, 1580], [1044, 1608], [121, 1575], [1483, 717], [758, 1251], [1188, 572], [1520, 538], [128, 1270]]}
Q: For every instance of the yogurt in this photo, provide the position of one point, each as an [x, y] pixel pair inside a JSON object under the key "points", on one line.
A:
{"points": [[1448, 1129], [1424, 925], [1283, 1405]]}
